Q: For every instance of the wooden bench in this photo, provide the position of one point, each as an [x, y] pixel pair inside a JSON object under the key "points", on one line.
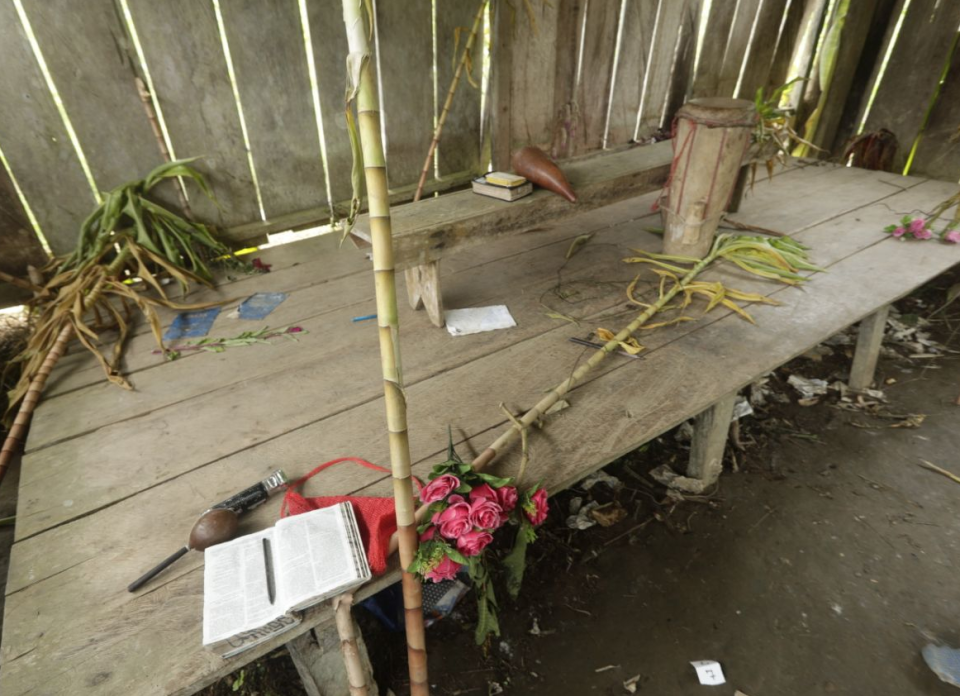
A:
{"points": [[112, 479], [426, 231]]}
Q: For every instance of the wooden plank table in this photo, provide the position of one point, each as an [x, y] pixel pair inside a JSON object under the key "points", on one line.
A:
{"points": [[112, 480]]}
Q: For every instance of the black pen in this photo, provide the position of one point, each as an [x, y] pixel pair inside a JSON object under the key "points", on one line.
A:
{"points": [[268, 567]]}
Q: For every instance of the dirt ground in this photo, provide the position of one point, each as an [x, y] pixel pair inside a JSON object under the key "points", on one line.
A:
{"points": [[821, 565]]}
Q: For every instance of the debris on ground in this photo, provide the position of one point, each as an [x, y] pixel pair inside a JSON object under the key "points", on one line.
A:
{"points": [[808, 388], [709, 672], [631, 684], [944, 661]]}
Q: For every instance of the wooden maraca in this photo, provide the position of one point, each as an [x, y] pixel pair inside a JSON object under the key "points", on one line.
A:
{"points": [[214, 527]]}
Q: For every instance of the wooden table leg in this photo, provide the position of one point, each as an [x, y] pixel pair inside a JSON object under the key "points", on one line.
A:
{"points": [[423, 290], [710, 430], [869, 341], [320, 664]]}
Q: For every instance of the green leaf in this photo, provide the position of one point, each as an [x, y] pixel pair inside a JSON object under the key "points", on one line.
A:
{"points": [[495, 481], [456, 556], [515, 562], [577, 244]]}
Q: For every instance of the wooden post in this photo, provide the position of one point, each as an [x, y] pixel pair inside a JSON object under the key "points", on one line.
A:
{"points": [[713, 135], [867, 352], [423, 290], [710, 430]]}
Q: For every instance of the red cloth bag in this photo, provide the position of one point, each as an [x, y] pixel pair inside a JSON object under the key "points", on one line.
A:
{"points": [[376, 517]]}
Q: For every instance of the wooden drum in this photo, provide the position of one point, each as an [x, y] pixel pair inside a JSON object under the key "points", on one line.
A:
{"points": [[711, 140]]}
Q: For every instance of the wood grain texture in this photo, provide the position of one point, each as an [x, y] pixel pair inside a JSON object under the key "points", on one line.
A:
{"points": [[269, 58], [405, 66], [786, 44], [719, 22], [913, 73], [638, 20], [737, 44], [459, 149], [869, 342], [91, 61], [181, 45], [610, 415], [938, 154], [657, 86], [329, 53], [710, 428], [592, 93], [759, 57], [35, 143]]}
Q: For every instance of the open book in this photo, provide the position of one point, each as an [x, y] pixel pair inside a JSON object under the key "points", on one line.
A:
{"points": [[254, 586]]}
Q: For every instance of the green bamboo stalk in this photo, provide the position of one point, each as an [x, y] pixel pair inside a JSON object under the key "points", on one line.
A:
{"points": [[362, 83], [449, 100]]}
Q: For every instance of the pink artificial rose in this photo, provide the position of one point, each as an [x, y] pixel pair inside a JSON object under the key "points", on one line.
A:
{"points": [[455, 520], [923, 234], [917, 225], [900, 231], [446, 569], [439, 488], [507, 497], [483, 491], [428, 534], [486, 514], [540, 509], [952, 236], [472, 543]]}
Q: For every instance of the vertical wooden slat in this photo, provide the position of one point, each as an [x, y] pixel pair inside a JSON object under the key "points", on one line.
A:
{"points": [[761, 52], [329, 48], [938, 154], [789, 36], [719, 21], [593, 90], [459, 149], [638, 20], [406, 64], [660, 69], [682, 81], [914, 70], [181, 45], [737, 45], [35, 142], [501, 77], [269, 58], [92, 63]]}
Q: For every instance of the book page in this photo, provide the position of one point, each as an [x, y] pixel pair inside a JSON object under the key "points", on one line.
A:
{"points": [[235, 594], [314, 557]]}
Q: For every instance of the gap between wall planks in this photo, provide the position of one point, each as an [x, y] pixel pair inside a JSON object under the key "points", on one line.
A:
{"points": [[913, 72], [938, 154], [193, 90], [35, 142], [175, 600]]}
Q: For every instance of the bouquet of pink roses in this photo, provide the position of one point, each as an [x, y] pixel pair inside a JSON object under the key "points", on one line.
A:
{"points": [[465, 509]]}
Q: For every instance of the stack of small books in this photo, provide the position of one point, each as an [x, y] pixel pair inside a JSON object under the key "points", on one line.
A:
{"points": [[506, 187]]}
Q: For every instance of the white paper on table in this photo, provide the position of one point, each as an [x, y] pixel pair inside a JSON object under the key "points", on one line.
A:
{"points": [[462, 322], [709, 672]]}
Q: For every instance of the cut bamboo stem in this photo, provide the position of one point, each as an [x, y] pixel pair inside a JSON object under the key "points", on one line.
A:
{"points": [[519, 425], [449, 100], [363, 81], [347, 630], [17, 436]]}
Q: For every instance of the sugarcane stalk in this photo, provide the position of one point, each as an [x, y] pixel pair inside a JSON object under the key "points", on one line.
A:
{"points": [[162, 143], [361, 79], [449, 100], [19, 282], [519, 425], [349, 648], [18, 430]]}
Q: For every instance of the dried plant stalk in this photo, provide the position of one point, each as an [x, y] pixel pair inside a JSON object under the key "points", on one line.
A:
{"points": [[362, 87], [347, 630], [449, 100]]}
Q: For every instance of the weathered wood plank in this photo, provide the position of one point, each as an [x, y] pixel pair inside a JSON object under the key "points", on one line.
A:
{"points": [[92, 63], [405, 64], [35, 143], [629, 409], [913, 73], [181, 45], [737, 45], [869, 342], [682, 80], [657, 84], [459, 149], [269, 58], [719, 21], [760, 55], [431, 228], [638, 20], [938, 154], [592, 88], [710, 428], [786, 44]]}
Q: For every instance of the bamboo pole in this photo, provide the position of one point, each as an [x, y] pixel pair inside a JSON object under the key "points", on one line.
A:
{"points": [[18, 430], [446, 104], [361, 79], [519, 425], [162, 143], [347, 630]]}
